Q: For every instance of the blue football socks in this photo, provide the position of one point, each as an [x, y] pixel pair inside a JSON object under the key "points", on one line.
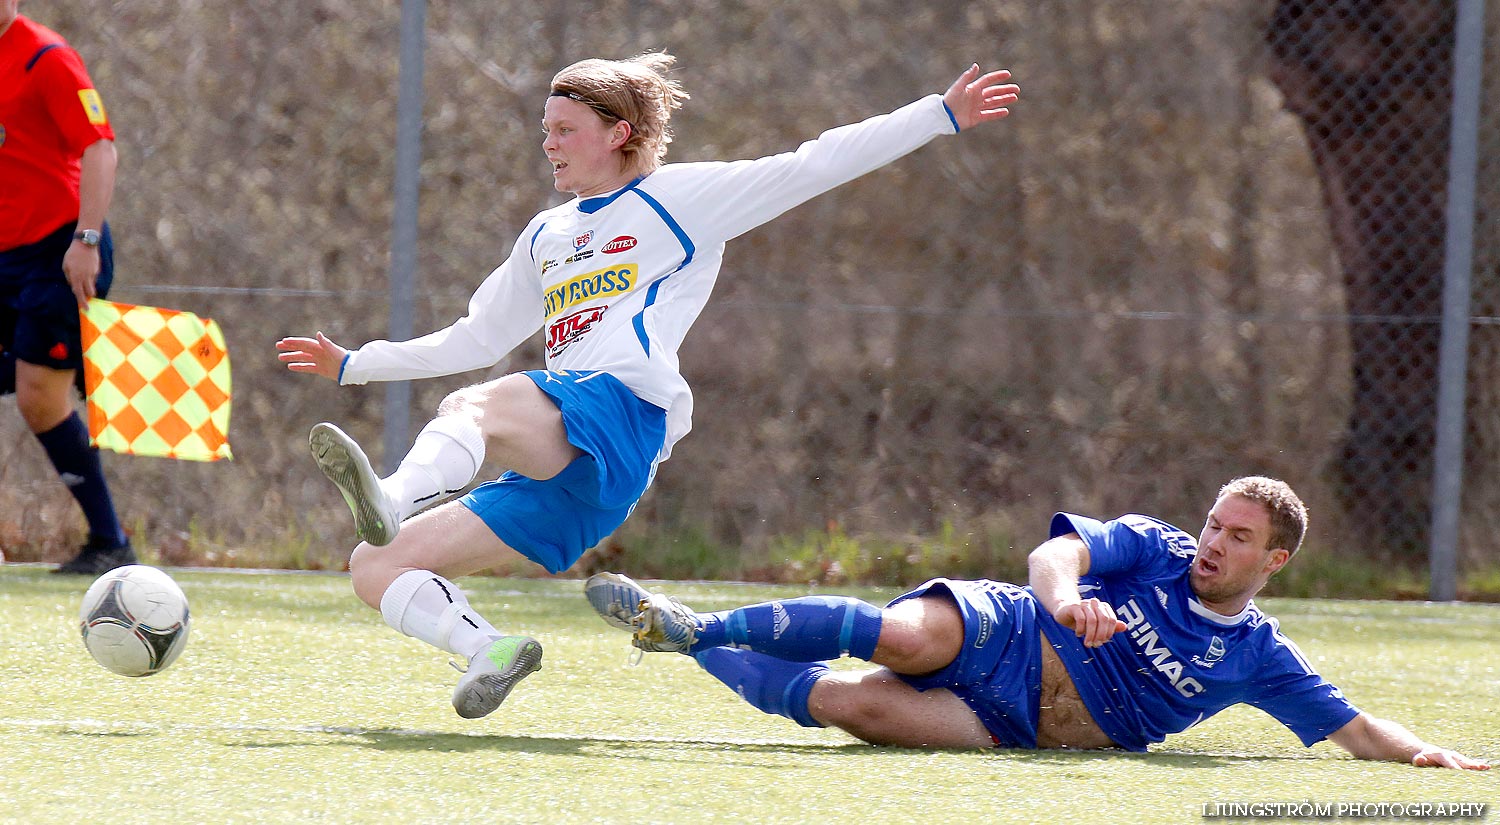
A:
{"points": [[78, 466], [806, 629], [770, 684]]}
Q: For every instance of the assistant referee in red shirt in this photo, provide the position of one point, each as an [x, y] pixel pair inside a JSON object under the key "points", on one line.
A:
{"points": [[57, 174]]}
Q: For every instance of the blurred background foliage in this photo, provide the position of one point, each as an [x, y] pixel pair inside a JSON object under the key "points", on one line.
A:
{"points": [[1116, 300]]}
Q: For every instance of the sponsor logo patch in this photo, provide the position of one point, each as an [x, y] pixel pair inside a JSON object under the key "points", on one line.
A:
{"points": [[93, 106], [570, 328], [1151, 647], [780, 621], [619, 244], [589, 286]]}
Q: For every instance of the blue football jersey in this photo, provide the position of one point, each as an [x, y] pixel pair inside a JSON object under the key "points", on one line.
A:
{"points": [[1178, 662]]}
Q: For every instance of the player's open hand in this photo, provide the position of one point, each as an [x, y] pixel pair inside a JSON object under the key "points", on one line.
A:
{"points": [[1091, 619], [318, 356], [974, 98], [1435, 757]]}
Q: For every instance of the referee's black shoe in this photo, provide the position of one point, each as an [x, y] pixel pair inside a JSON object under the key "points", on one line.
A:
{"points": [[96, 558]]}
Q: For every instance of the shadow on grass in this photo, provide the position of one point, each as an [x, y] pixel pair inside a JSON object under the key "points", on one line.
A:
{"points": [[406, 740], [401, 740], [658, 748], [1160, 759]]}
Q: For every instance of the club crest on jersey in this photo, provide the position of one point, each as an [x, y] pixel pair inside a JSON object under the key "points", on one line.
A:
{"points": [[1213, 655], [2, 134], [581, 241]]}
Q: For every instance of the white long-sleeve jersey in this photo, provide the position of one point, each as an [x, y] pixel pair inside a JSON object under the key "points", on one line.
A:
{"points": [[618, 279]]}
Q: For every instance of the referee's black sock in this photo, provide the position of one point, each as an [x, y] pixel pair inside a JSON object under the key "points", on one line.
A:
{"points": [[7, 373], [78, 466]]}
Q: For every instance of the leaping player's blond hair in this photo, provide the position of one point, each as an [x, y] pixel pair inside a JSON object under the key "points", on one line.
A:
{"points": [[1288, 513], [637, 91]]}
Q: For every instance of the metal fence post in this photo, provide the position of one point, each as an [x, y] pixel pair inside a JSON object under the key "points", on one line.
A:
{"points": [[1463, 163], [403, 269]]}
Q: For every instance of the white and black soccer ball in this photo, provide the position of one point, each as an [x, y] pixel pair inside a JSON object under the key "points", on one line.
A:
{"points": [[134, 620]]}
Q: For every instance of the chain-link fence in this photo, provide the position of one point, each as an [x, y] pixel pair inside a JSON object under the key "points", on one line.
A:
{"points": [[1373, 85], [1209, 242]]}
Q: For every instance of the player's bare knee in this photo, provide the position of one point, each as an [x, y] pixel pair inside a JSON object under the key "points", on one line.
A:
{"points": [[367, 575], [920, 635], [833, 702], [43, 404], [852, 704], [900, 646]]}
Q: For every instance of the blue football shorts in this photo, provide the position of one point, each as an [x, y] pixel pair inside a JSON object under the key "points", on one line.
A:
{"points": [[998, 673], [555, 521], [38, 314]]}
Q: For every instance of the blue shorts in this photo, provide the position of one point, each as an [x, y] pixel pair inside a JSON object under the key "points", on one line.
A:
{"points": [[555, 521], [999, 670], [38, 314]]}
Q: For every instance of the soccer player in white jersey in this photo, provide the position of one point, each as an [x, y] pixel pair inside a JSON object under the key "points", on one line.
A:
{"points": [[1129, 631], [615, 277]]}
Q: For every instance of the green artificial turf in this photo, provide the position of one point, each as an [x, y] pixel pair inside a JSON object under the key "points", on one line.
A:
{"points": [[294, 703]]}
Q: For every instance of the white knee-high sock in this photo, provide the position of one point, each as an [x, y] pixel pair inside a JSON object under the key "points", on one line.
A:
{"points": [[427, 606], [442, 461]]}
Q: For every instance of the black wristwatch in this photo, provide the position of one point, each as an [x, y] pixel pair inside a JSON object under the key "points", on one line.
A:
{"points": [[90, 237]]}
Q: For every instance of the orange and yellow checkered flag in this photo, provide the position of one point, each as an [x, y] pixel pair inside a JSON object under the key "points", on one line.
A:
{"points": [[157, 381]]}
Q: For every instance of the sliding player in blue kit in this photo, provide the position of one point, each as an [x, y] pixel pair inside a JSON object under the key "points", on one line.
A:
{"points": [[1129, 631], [615, 277]]}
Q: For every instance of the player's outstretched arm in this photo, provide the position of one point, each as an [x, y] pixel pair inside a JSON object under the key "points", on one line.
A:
{"points": [[1369, 737], [974, 98], [318, 355]]}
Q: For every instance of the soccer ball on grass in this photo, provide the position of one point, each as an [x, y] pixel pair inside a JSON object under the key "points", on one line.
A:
{"points": [[134, 620]]}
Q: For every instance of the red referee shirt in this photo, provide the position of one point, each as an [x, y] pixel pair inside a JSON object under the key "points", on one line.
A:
{"points": [[48, 116]]}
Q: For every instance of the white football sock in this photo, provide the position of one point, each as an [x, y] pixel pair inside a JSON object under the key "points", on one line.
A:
{"points": [[442, 461], [427, 606]]}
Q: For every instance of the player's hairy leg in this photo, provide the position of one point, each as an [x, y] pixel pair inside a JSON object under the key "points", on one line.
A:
{"points": [[448, 540], [410, 582], [879, 708], [522, 426]]}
